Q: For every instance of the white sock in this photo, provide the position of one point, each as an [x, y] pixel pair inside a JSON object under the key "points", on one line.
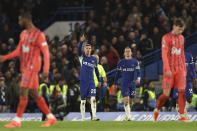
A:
{"points": [[127, 110], [177, 108], [18, 119], [187, 104], [93, 106], [50, 116], [82, 109]]}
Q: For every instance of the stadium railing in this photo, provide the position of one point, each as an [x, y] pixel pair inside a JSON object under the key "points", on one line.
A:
{"points": [[151, 66], [152, 62]]}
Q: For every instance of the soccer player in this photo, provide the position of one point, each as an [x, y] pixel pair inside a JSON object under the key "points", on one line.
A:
{"points": [[191, 75], [87, 84], [174, 69], [130, 70], [32, 42]]}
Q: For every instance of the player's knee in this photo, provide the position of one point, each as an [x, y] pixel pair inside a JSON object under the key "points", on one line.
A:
{"points": [[24, 92], [126, 102], [93, 100], [83, 101], [166, 93]]}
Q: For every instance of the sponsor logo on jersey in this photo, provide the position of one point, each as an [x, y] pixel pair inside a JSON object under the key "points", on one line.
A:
{"points": [[88, 64], [163, 43], [175, 51], [128, 69], [25, 49]]}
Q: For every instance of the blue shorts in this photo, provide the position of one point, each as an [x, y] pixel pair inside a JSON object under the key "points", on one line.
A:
{"points": [[87, 89], [188, 91], [129, 91]]}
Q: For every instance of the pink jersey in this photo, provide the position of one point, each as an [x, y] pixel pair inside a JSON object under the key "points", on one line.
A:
{"points": [[173, 53], [30, 45]]}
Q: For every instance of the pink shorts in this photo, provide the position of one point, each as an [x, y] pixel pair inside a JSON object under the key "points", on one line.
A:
{"points": [[30, 80], [177, 80]]}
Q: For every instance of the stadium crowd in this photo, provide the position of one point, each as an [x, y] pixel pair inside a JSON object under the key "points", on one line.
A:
{"points": [[110, 27]]}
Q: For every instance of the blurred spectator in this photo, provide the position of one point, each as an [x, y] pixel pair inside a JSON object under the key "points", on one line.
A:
{"points": [[44, 91], [4, 49], [120, 100], [121, 45], [156, 37], [77, 32], [6, 33], [73, 92], [3, 96], [149, 98], [145, 44], [111, 55], [134, 16], [11, 44], [132, 38], [57, 104], [14, 92], [104, 63], [134, 50], [188, 21], [137, 105]]}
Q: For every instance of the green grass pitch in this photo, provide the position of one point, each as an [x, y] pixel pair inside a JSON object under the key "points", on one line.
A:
{"points": [[106, 126]]}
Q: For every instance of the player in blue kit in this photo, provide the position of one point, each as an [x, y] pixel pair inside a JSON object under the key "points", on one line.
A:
{"points": [[87, 85], [129, 69], [191, 75]]}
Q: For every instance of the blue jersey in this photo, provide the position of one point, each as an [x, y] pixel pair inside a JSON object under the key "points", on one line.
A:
{"points": [[88, 64], [129, 70], [191, 73]]}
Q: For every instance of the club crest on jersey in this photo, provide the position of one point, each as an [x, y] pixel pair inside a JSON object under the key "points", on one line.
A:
{"points": [[92, 61], [163, 43], [31, 39], [167, 84], [25, 49]]}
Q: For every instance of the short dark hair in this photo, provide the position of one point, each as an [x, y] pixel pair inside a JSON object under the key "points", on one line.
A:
{"points": [[87, 44], [26, 15], [127, 48], [179, 22]]}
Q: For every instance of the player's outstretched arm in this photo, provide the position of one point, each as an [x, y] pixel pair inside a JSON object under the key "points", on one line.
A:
{"points": [[82, 39], [13, 54]]}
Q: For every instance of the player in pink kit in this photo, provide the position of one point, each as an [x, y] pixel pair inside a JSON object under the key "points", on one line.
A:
{"points": [[32, 42], [174, 68]]}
